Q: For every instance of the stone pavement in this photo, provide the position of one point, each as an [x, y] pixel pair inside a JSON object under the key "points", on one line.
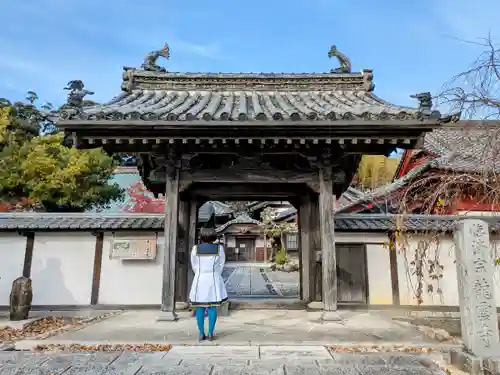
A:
{"points": [[218, 360], [251, 327], [254, 280]]}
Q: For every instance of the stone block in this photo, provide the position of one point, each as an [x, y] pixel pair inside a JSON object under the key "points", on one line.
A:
{"points": [[294, 352], [261, 369], [466, 362], [222, 310], [189, 369], [315, 305], [180, 306], [331, 316], [475, 276], [213, 352], [492, 365], [167, 316]]}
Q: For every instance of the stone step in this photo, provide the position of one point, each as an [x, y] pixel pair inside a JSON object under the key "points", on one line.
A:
{"points": [[267, 304], [222, 310]]}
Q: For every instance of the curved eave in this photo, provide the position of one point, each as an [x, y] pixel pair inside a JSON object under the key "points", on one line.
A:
{"points": [[243, 105]]}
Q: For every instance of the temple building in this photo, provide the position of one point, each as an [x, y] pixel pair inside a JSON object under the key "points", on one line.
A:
{"points": [[450, 171], [295, 137]]}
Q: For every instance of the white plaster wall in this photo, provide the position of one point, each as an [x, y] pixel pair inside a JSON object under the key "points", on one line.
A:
{"points": [[495, 252], [130, 282], [366, 238], [379, 274], [444, 248], [441, 247], [12, 249], [259, 242], [378, 264], [62, 268]]}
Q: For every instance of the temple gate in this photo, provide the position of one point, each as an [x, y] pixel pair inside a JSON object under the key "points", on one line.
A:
{"points": [[247, 136]]}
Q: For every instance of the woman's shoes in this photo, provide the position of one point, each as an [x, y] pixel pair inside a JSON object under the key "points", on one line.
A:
{"points": [[204, 337]]}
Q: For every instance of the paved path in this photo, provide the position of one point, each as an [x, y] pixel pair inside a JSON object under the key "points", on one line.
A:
{"points": [[218, 360], [244, 327], [258, 281]]}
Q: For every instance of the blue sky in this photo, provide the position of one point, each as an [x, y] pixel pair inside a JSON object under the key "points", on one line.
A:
{"points": [[413, 46]]}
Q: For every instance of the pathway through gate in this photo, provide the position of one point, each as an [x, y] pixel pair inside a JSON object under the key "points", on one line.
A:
{"points": [[255, 280]]}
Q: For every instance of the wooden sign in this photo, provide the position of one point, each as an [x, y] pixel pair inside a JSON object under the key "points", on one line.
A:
{"points": [[133, 248]]}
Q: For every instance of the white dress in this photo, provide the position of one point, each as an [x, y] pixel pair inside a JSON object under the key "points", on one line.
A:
{"points": [[207, 262]]}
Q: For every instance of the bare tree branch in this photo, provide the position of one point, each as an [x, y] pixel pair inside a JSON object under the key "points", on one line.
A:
{"points": [[464, 167]]}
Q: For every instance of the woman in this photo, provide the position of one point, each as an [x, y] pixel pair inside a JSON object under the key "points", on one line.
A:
{"points": [[208, 290]]}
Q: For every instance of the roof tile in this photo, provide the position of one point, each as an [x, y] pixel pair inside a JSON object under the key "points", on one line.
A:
{"points": [[155, 222]]}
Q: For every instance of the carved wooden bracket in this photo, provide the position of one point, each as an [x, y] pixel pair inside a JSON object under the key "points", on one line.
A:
{"points": [[314, 186], [184, 185]]}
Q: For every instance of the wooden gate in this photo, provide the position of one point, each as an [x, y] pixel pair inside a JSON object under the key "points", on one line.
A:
{"points": [[351, 273], [246, 249]]}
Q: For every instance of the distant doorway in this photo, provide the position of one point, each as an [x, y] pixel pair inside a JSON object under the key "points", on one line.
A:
{"points": [[245, 249]]}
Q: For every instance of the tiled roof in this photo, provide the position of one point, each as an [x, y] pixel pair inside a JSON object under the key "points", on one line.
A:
{"points": [[246, 105], [465, 150], [460, 150], [168, 96], [99, 222], [241, 219], [285, 214], [386, 190]]}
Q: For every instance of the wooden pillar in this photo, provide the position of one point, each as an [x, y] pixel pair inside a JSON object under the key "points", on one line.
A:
{"points": [[315, 237], [307, 258], [170, 247], [329, 262], [194, 208], [182, 255]]}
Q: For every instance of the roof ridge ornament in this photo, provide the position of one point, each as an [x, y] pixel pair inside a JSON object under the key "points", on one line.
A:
{"points": [[344, 61], [76, 93], [150, 61], [424, 101]]}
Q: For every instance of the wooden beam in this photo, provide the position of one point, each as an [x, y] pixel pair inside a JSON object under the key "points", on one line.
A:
{"points": [[393, 259], [194, 207], [182, 251], [306, 252], [250, 176], [28, 254], [246, 191], [315, 238], [329, 261], [96, 277], [254, 127], [170, 248]]}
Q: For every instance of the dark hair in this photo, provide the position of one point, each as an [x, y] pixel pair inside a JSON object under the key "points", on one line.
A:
{"points": [[208, 235]]}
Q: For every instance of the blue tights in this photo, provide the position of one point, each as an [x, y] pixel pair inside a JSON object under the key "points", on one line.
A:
{"points": [[200, 319]]}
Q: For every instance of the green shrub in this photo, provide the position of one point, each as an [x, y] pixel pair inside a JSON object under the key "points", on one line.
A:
{"points": [[281, 257]]}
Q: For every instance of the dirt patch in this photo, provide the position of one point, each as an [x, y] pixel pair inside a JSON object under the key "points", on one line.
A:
{"points": [[46, 327], [37, 328], [449, 324], [143, 348], [381, 349]]}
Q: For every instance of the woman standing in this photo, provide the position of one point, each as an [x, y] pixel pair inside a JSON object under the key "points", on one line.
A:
{"points": [[208, 290]]}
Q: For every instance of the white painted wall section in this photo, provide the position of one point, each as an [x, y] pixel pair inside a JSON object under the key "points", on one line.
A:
{"points": [[12, 249], [62, 268], [130, 282], [379, 275]]}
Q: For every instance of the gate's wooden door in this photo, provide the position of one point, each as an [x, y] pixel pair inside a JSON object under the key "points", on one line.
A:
{"points": [[351, 273], [246, 249]]}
